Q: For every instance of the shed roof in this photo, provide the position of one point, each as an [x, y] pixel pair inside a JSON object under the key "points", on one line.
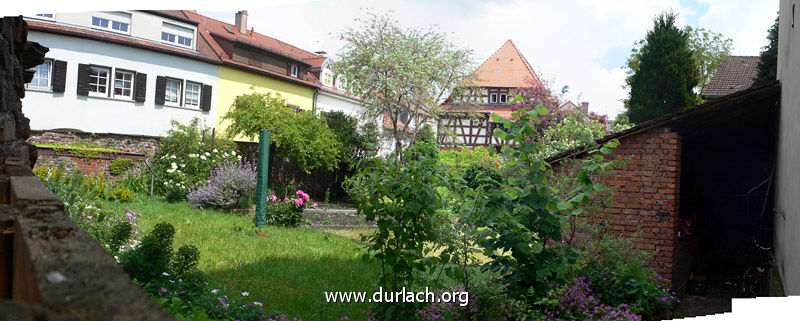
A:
{"points": [[695, 118]]}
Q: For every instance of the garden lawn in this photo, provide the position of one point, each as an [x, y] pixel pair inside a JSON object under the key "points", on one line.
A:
{"points": [[288, 270]]}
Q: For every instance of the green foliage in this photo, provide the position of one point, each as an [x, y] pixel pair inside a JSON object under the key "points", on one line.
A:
{"points": [[523, 219], [80, 148], [456, 161], [151, 258], [118, 166], [185, 157], [402, 73], [768, 63], [665, 75], [709, 49], [285, 213], [402, 198], [119, 235], [356, 143], [574, 130], [301, 136], [619, 274]]}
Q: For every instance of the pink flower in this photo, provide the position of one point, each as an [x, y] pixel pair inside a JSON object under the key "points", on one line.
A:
{"points": [[298, 201], [315, 205], [286, 199], [272, 198], [305, 197]]}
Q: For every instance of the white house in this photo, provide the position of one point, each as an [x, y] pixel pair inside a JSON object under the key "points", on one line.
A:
{"points": [[127, 72]]}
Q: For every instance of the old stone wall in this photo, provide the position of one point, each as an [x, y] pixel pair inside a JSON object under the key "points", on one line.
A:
{"points": [[646, 194], [137, 144], [50, 269]]}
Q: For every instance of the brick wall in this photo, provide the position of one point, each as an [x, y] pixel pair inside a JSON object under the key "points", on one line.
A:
{"points": [[128, 143], [647, 191]]}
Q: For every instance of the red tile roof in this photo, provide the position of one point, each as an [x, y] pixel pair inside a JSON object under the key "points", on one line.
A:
{"points": [[734, 74], [208, 49], [507, 67], [210, 28], [202, 53]]}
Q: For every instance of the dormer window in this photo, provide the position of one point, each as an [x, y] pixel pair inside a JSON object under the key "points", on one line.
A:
{"points": [[177, 35], [112, 21], [327, 78], [293, 70]]}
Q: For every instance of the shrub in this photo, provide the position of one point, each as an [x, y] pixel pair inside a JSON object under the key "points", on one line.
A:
{"points": [[232, 184], [151, 258], [287, 212], [185, 157], [618, 274], [456, 161], [118, 166], [486, 301], [575, 301]]}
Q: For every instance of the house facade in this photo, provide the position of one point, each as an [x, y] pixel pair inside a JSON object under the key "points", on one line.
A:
{"points": [[127, 72], [505, 73]]}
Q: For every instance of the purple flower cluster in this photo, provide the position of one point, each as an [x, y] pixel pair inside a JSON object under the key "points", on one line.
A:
{"points": [[228, 184], [283, 317], [576, 302]]}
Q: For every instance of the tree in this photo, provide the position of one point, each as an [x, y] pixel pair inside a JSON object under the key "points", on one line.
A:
{"points": [[301, 136], [402, 73], [768, 65], [666, 72], [709, 50]]}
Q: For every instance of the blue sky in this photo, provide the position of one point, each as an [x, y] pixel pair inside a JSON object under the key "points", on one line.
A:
{"points": [[578, 43]]}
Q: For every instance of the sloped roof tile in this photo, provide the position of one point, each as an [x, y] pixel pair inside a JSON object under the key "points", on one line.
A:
{"points": [[507, 67], [736, 73]]}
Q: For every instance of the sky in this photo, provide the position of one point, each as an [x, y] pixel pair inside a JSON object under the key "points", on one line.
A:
{"points": [[581, 44], [574, 43]]}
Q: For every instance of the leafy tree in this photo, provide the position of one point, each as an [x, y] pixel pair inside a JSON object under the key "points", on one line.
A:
{"points": [[572, 131], [402, 73], [665, 74], [768, 65], [301, 136], [709, 49]]}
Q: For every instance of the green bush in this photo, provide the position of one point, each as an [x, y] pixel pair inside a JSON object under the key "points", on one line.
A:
{"points": [[457, 161], [618, 273], [151, 258], [185, 157], [287, 211], [118, 166]]}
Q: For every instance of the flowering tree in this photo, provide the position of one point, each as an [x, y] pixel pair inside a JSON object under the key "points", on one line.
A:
{"points": [[403, 74]]}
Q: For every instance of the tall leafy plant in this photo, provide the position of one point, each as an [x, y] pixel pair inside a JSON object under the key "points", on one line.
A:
{"points": [[523, 219]]}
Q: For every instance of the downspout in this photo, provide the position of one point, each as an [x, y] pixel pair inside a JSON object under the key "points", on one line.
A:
{"points": [[314, 101]]}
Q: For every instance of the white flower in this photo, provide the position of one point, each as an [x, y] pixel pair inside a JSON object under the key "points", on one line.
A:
{"points": [[203, 157], [238, 156], [192, 155], [245, 293], [170, 171], [215, 150], [258, 303], [164, 273], [174, 166], [214, 291], [208, 154]]}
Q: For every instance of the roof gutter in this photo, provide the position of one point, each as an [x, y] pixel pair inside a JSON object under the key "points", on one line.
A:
{"points": [[314, 101]]}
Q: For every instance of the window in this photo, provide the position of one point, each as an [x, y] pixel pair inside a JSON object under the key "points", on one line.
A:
{"points": [[327, 79], [112, 21], [42, 76], [177, 35], [293, 70], [123, 84], [46, 16], [172, 94], [192, 94], [502, 98], [493, 98], [98, 81]]}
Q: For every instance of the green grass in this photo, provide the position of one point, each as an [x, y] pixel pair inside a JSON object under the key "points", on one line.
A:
{"points": [[288, 270]]}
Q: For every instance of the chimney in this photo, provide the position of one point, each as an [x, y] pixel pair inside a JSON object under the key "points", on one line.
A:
{"points": [[585, 107], [241, 21]]}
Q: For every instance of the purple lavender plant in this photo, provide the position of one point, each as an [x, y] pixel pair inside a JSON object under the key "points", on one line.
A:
{"points": [[229, 185], [576, 302]]}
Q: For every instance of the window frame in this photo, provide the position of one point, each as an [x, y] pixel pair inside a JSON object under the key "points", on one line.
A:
{"points": [[114, 87], [293, 70], [199, 94], [110, 23], [108, 84], [493, 98], [179, 101], [49, 88], [174, 30], [502, 98]]}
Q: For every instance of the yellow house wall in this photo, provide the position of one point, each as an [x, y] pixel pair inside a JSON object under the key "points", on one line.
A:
{"points": [[233, 83]]}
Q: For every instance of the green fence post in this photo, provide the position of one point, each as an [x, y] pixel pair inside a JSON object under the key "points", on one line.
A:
{"points": [[261, 183]]}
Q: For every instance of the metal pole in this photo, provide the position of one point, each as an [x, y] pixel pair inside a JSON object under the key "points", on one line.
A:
{"points": [[261, 182], [152, 177]]}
